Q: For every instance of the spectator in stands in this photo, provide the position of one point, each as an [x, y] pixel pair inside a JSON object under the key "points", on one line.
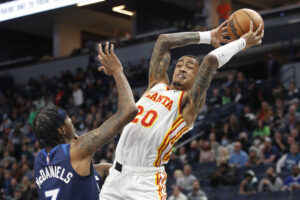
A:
{"points": [[177, 194], [193, 154], [291, 118], [225, 143], [78, 98], [223, 10], [177, 175], [265, 113], [182, 155], [292, 182], [253, 158], [242, 81], [249, 183], [227, 96], [174, 163], [215, 100], [261, 130], [238, 158], [224, 175], [226, 131], [271, 182], [234, 125], [248, 119], [207, 154], [279, 143], [293, 92], [257, 146], [279, 92], [243, 138], [287, 161], [223, 156], [186, 182], [230, 80], [290, 140], [269, 153], [214, 143], [196, 193], [295, 134]]}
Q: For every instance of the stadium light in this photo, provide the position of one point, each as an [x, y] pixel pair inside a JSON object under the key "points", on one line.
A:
{"points": [[19, 8], [88, 2], [120, 9]]}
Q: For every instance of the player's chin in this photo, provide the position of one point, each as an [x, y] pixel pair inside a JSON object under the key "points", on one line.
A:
{"points": [[179, 84]]}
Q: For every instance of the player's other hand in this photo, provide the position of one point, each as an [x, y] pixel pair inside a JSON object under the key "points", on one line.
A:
{"points": [[218, 35], [110, 62], [253, 38]]}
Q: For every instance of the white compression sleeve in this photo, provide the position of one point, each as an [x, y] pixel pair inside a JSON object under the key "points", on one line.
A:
{"points": [[225, 53]]}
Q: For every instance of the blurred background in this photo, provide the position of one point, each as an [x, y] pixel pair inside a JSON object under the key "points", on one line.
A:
{"points": [[244, 144]]}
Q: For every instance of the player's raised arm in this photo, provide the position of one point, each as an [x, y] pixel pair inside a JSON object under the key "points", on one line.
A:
{"points": [[83, 148], [194, 99], [161, 56]]}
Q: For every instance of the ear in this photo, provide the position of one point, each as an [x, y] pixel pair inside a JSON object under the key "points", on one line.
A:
{"points": [[61, 130]]}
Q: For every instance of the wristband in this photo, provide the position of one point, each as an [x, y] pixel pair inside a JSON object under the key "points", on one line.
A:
{"points": [[205, 37]]}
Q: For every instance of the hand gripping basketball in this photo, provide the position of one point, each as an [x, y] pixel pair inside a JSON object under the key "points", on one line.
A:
{"points": [[253, 38]]}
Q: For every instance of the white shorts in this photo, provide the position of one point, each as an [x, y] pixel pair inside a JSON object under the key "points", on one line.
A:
{"points": [[135, 183]]}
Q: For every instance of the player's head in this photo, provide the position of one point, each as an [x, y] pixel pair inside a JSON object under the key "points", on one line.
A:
{"points": [[52, 126], [185, 72]]}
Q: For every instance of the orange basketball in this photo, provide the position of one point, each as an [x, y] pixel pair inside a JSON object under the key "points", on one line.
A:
{"points": [[239, 22]]}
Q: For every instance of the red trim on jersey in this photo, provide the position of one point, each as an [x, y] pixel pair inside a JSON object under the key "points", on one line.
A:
{"points": [[179, 103]]}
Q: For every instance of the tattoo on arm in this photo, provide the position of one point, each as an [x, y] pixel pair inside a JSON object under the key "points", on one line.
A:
{"points": [[127, 110], [202, 82], [161, 56]]}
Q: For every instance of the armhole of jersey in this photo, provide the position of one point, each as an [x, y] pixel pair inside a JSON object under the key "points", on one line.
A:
{"points": [[179, 102], [66, 148]]}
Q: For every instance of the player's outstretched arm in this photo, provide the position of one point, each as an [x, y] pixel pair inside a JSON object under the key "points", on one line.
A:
{"points": [[83, 148], [194, 99], [161, 56]]}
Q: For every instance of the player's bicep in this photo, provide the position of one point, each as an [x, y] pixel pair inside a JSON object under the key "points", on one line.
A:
{"points": [[188, 108]]}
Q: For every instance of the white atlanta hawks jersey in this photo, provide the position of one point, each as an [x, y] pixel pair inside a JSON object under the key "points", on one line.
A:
{"points": [[148, 139]]}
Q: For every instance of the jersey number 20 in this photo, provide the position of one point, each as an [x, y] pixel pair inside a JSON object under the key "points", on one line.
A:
{"points": [[148, 119]]}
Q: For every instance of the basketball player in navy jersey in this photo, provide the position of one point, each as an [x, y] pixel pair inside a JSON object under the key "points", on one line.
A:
{"points": [[64, 169]]}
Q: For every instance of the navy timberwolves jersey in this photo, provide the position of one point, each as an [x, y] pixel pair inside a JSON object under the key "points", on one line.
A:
{"points": [[56, 179]]}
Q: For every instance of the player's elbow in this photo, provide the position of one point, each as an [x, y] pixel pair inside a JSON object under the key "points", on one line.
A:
{"points": [[211, 60], [163, 40]]}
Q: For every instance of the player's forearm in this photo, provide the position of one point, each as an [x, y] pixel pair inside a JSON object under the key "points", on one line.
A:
{"points": [[127, 110], [173, 40]]}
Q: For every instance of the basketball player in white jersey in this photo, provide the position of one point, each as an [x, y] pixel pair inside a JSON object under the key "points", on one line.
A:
{"points": [[166, 112]]}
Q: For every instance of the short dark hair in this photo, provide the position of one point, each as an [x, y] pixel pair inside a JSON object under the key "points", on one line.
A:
{"points": [[192, 56], [46, 124]]}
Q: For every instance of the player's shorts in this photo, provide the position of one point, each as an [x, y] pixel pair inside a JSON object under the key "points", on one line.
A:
{"points": [[135, 183]]}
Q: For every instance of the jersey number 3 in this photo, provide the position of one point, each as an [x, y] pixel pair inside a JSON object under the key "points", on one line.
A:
{"points": [[148, 119], [52, 193]]}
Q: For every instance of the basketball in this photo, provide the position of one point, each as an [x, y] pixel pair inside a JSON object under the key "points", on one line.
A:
{"points": [[239, 22]]}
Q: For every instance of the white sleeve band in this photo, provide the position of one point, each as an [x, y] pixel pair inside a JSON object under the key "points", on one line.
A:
{"points": [[225, 53], [205, 37]]}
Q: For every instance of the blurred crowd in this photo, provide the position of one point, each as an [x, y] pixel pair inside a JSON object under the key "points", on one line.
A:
{"points": [[254, 149], [262, 130]]}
